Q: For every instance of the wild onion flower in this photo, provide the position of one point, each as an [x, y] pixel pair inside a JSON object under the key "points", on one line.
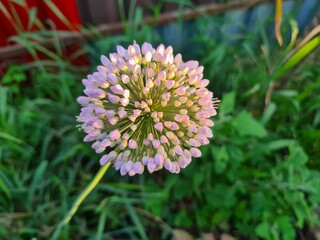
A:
{"points": [[149, 107]]}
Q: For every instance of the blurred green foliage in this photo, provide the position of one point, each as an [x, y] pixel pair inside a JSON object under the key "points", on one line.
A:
{"points": [[259, 177]]}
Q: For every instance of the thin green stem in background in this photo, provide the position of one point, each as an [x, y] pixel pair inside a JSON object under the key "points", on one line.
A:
{"points": [[80, 199]]}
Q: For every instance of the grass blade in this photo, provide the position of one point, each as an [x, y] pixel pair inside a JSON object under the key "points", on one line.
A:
{"points": [[32, 17], [11, 138], [102, 223], [277, 21], [136, 220], [58, 13], [4, 188], [314, 32], [80, 199], [36, 180], [298, 56]]}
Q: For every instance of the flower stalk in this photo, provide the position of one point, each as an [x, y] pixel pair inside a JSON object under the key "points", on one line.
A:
{"points": [[97, 178]]}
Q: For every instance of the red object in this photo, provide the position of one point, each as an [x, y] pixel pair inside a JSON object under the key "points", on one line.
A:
{"points": [[17, 18], [11, 24]]}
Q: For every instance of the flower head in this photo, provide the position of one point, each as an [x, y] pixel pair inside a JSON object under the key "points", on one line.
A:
{"points": [[150, 107]]}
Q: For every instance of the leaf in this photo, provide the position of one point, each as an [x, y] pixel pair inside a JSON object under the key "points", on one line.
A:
{"points": [[220, 216], [277, 21], [221, 196], [302, 210], [182, 219], [287, 93], [32, 17], [64, 155], [262, 230], [101, 225], [221, 158], [298, 56], [275, 145], [215, 56], [28, 230], [198, 179], [20, 2], [227, 103], [180, 191], [11, 138], [5, 12], [297, 155], [246, 125], [294, 34], [4, 189], [252, 90], [51, 5], [268, 113], [316, 119], [14, 74], [286, 228], [314, 32], [135, 219], [236, 155], [138, 18], [28, 45], [39, 172], [127, 186]]}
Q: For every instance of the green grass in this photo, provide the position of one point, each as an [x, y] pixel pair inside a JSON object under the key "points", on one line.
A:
{"points": [[259, 177]]}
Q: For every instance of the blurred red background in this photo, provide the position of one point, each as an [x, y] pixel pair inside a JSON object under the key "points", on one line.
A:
{"points": [[10, 27]]}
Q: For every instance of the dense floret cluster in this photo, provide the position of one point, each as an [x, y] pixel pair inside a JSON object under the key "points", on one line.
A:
{"points": [[149, 107]]}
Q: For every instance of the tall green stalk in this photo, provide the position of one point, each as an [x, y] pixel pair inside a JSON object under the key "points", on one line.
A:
{"points": [[80, 199]]}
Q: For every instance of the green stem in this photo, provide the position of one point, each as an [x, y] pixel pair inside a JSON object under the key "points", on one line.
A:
{"points": [[80, 199]]}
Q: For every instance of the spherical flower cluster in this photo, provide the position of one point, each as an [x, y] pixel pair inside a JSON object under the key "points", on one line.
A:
{"points": [[150, 107]]}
